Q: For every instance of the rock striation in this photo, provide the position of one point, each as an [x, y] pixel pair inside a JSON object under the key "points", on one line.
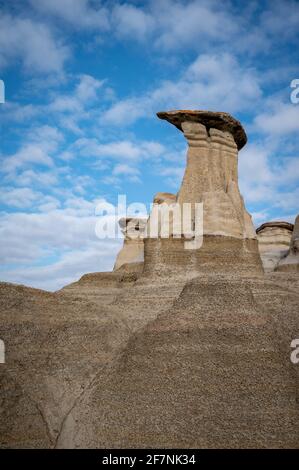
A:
{"points": [[210, 119], [213, 371], [188, 349], [132, 251], [274, 241], [290, 263], [211, 178]]}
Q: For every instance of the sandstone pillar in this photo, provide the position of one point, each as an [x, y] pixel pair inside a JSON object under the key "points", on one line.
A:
{"points": [[211, 178], [274, 242], [132, 251], [163, 255], [290, 263]]}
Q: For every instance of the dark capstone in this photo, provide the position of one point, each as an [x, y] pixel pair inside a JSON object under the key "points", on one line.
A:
{"points": [[210, 119], [278, 223]]}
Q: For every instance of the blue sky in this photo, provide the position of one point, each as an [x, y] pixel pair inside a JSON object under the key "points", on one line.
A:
{"points": [[84, 80]]}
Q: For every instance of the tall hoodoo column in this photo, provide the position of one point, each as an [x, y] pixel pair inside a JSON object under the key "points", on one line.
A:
{"points": [[211, 174], [211, 178]]}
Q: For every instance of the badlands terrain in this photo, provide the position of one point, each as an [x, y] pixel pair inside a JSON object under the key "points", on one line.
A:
{"points": [[181, 346]]}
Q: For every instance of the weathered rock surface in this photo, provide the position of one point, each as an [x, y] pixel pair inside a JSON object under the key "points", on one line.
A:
{"points": [[210, 119], [56, 345], [133, 247], [211, 178], [190, 349], [212, 371], [290, 263], [274, 241]]}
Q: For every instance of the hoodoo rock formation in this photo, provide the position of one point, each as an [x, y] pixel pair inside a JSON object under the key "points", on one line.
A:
{"points": [[133, 248], [211, 174], [189, 349], [274, 241], [211, 178], [290, 263]]}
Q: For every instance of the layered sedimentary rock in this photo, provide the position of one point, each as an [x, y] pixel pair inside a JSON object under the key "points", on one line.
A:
{"points": [[103, 287], [158, 260], [211, 178], [213, 371], [274, 241], [55, 345], [196, 357], [210, 119], [211, 174], [132, 251], [290, 263], [58, 343]]}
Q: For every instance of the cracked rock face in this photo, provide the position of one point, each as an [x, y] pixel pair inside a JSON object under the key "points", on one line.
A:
{"points": [[274, 240], [132, 251], [291, 262]]}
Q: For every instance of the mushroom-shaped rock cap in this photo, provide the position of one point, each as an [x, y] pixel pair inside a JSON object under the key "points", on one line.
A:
{"points": [[137, 222], [278, 223], [159, 198], [210, 119]]}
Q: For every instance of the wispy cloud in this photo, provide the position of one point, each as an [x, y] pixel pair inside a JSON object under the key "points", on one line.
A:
{"points": [[80, 14], [64, 241], [84, 81], [32, 43], [209, 80]]}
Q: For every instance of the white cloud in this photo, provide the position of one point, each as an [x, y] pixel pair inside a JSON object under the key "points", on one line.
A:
{"points": [[120, 150], [55, 243], [269, 179], [42, 141], [77, 13], [69, 267], [280, 119], [124, 169], [66, 109], [16, 112], [173, 175], [49, 137], [131, 21], [29, 154], [48, 203], [211, 80], [127, 111], [85, 92], [32, 43], [70, 109], [167, 24], [130, 173], [39, 178], [182, 24], [61, 241], [281, 19], [18, 197], [208, 81], [113, 181], [87, 88], [260, 217], [27, 198]]}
